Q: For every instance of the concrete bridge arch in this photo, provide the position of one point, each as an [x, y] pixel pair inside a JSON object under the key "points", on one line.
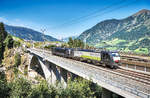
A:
{"points": [[51, 72], [35, 65]]}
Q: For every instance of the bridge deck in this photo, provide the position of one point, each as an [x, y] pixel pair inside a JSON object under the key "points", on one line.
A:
{"points": [[113, 82]]}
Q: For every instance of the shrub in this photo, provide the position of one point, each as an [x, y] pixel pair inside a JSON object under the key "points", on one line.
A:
{"points": [[20, 88], [96, 89], [17, 44], [43, 90], [9, 42], [4, 88], [15, 70], [1, 51], [17, 60], [78, 88]]}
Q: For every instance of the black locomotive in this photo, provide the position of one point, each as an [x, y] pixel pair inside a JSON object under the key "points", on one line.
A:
{"points": [[106, 58]]}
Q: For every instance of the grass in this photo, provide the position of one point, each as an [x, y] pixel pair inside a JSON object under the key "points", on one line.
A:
{"points": [[125, 45], [141, 50], [111, 48], [131, 43], [18, 39], [113, 42]]}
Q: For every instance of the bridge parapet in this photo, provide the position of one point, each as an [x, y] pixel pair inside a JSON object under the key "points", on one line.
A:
{"points": [[120, 85]]}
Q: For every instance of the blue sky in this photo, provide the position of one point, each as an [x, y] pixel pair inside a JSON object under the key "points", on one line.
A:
{"points": [[63, 18]]}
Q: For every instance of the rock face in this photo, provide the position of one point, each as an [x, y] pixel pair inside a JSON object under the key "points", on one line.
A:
{"points": [[131, 28], [28, 34]]}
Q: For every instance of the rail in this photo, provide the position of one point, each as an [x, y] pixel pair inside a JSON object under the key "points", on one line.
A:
{"points": [[98, 74]]}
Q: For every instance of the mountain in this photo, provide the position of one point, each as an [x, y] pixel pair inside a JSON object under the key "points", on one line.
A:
{"points": [[130, 33], [28, 34]]}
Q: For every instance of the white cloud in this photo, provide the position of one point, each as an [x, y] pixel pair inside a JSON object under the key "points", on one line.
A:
{"points": [[2, 19], [22, 23], [14, 22]]}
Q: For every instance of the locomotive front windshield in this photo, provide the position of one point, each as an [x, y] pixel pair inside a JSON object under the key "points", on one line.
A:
{"points": [[115, 54]]}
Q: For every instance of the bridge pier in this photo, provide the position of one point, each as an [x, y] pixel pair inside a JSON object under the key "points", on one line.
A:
{"points": [[52, 73], [57, 74], [64, 76], [30, 59]]}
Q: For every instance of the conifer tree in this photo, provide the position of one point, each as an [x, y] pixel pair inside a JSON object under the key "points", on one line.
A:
{"points": [[3, 35]]}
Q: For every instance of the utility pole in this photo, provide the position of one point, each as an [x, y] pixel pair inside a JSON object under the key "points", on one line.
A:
{"points": [[31, 41], [43, 30]]}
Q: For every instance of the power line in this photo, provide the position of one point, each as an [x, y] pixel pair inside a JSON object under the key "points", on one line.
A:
{"points": [[81, 17], [116, 8], [106, 12], [93, 14]]}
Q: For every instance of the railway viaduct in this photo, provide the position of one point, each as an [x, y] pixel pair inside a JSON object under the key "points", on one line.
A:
{"points": [[58, 69]]}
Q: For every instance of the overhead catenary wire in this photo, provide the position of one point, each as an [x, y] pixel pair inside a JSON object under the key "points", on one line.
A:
{"points": [[84, 16], [101, 11]]}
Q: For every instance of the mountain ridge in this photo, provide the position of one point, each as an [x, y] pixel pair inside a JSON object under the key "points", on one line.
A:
{"points": [[132, 28], [114, 24], [28, 33]]}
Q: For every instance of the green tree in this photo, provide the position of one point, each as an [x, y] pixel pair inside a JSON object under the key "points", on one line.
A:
{"points": [[76, 43], [79, 88], [80, 43], [9, 42], [1, 51], [17, 60], [4, 88], [70, 42], [16, 44], [43, 90], [97, 90], [3, 35], [20, 88]]}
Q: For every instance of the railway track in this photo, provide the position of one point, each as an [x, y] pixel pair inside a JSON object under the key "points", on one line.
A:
{"points": [[137, 76], [140, 59], [142, 77], [129, 82], [138, 63]]}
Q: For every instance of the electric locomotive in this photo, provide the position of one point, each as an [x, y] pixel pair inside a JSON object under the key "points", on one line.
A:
{"points": [[106, 58]]}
